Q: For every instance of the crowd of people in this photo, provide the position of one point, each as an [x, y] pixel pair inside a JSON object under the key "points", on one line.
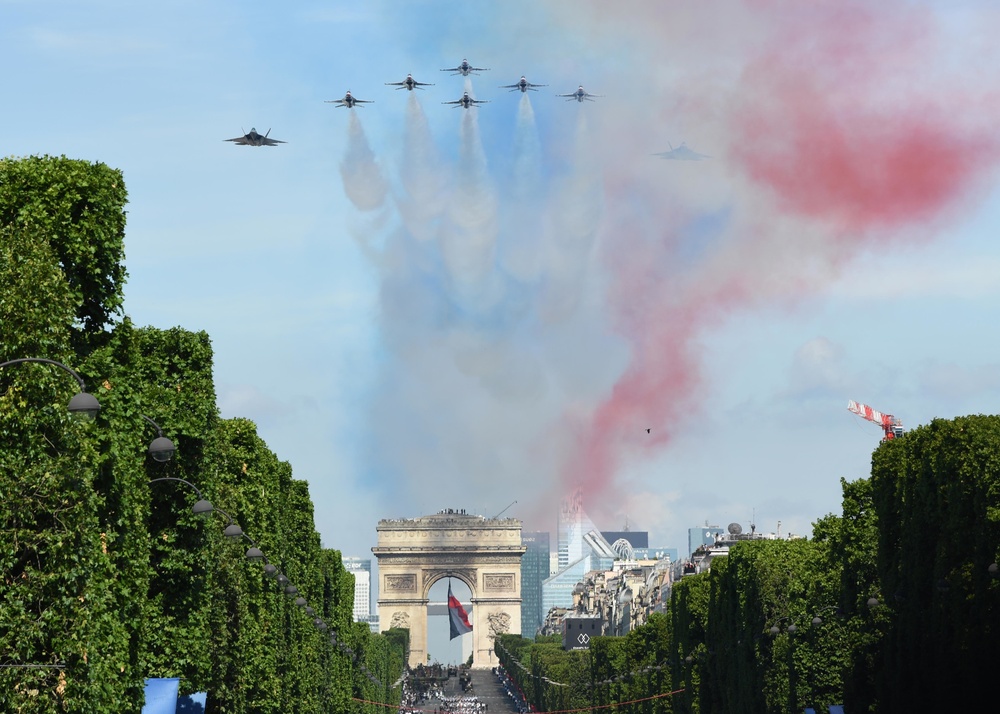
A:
{"points": [[512, 691], [463, 705], [423, 691]]}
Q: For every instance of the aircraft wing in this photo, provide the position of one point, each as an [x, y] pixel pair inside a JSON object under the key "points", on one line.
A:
{"points": [[271, 142], [396, 84], [682, 153], [239, 140]]}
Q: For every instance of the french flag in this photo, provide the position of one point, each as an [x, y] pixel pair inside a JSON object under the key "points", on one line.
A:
{"points": [[459, 618]]}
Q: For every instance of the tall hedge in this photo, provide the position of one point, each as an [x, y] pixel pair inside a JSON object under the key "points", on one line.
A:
{"points": [[936, 492], [107, 575], [78, 207]]}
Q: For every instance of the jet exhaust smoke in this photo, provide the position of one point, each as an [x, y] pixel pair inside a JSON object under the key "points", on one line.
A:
{"points": [[536, 324]]}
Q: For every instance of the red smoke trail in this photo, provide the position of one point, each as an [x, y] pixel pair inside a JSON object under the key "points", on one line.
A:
{"points": [[837, 122], [828, 132]]}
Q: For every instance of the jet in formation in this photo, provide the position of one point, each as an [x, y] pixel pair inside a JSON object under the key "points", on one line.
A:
{"points": [[465, 69], [466, 101], [524, 85], [348, 101], [410, 83], [255, 139], [580, 95], [682, 153]]}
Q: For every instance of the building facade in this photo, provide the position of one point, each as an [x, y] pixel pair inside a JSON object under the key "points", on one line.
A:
{"points": [[534, 572], [573, 524], [703, 535], [484, 553], [361, 569]]}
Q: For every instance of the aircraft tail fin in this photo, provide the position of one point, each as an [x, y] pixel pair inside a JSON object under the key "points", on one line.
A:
{"points": [[268, 132]]}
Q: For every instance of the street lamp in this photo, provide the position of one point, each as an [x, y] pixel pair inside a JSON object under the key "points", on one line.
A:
{"points": [[82, 404], [793, 686], [202, 506], [254, 552], [817, 620], [161, 448], [791, 629]]}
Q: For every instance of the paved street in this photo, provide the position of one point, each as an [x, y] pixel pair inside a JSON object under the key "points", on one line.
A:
{"points": [[487, 687]]}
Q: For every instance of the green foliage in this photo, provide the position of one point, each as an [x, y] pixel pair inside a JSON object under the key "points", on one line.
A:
{"points": [[937, 494], [104, 573], [76, 207]]}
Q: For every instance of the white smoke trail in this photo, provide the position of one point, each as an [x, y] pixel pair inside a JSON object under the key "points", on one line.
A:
{"points": [[363, 181], [483, 353], [576, 218], [520, 251], [366, 187], [424, 179], [470, 231]]}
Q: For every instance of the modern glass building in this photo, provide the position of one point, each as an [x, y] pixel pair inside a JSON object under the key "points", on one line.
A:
{"points": [[361, 569], [574, 524], [557, 591], [534, 572]]}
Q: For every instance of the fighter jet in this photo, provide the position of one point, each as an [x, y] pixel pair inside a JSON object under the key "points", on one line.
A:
{"points": [[255, 139], [682, 153], [348, 101], [465, 69], [410, 83], [467, 101], [579, 95], [524, 85]]}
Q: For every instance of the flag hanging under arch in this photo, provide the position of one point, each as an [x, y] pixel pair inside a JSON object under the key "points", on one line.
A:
{"points": [[457, 615]]}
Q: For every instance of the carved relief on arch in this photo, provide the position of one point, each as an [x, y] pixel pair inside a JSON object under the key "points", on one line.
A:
{"points": [[400, 619], [406, 583], [499, 623], [498, 582]]}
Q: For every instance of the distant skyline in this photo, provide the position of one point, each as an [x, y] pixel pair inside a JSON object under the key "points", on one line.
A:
{"points": [[425, 307]]}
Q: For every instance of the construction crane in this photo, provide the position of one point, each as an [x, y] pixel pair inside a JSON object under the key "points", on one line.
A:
{"points": [[892, 426]]}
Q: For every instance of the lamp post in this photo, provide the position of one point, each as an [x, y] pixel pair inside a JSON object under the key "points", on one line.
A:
{"points": [[817, 620], [791, 629], [161, 448], [82, 403]]}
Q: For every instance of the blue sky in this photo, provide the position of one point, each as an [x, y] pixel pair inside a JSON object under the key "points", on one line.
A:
{"points": [[445, 319]]}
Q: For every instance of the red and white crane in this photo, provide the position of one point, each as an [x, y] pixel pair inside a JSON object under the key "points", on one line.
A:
{"points": [[892, 426]]}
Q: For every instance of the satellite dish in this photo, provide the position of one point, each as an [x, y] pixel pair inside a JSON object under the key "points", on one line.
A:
{"points": [[735, 529]]}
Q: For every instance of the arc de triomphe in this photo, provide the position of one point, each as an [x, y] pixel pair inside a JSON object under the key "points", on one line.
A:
{"points": [[484, 553]]}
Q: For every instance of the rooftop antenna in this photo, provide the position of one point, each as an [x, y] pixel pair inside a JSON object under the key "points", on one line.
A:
{"points": [[504, 510]]}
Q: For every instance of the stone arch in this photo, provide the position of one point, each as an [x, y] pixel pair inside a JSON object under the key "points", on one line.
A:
{"points": [[483, 553], [436, 575]]}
